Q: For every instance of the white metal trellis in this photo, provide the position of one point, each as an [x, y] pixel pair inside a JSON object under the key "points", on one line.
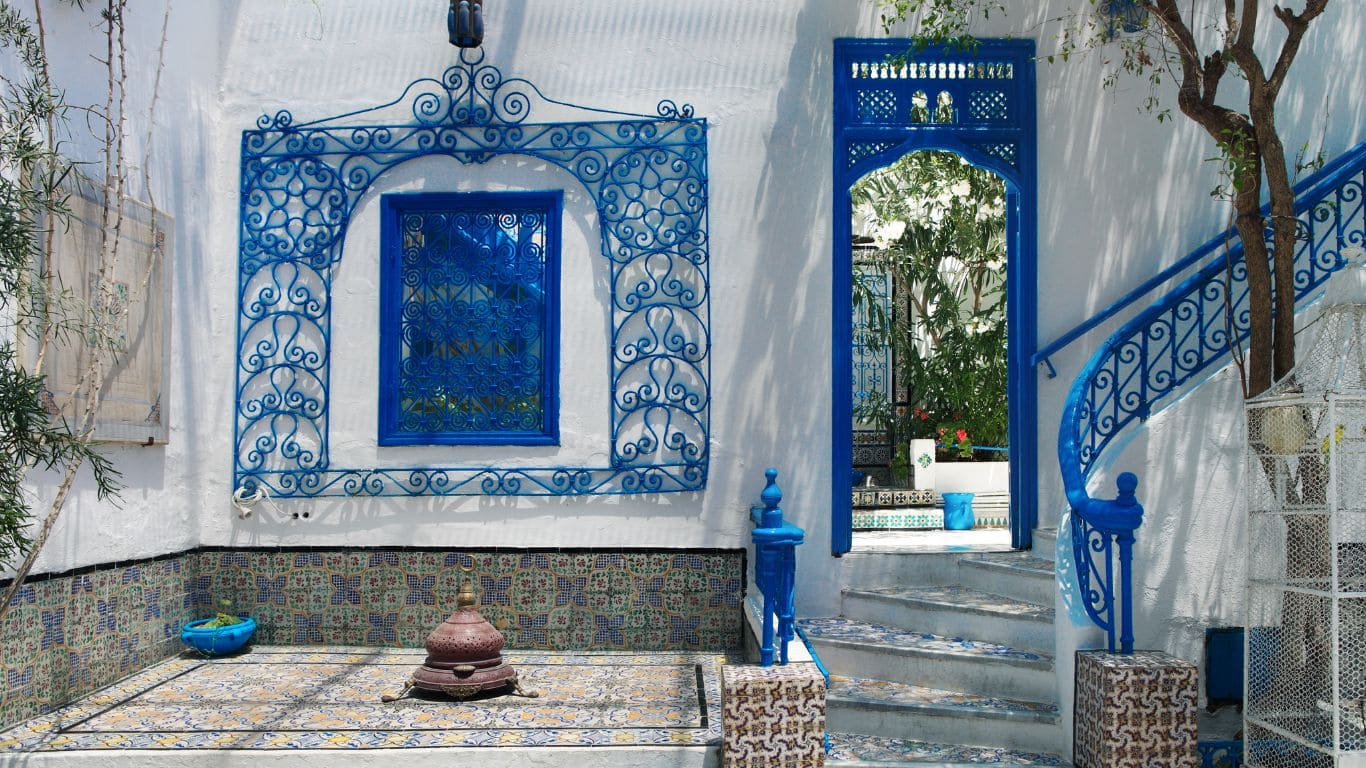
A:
{"points": [[1305, 703]]}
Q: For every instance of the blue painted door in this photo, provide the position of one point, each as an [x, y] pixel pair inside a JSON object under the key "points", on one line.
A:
{"points": [[981, 108]]}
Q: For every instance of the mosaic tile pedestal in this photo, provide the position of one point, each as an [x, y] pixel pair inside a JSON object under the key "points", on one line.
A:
{"points": [[772, 717], [1136, 711]]}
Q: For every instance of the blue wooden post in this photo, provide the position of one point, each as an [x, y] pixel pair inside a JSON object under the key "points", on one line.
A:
{"points": [[1127, 505], [775, 570]]}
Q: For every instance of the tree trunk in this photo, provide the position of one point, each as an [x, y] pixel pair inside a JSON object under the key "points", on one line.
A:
{"points": [[1251, 230], [1284, 228]]}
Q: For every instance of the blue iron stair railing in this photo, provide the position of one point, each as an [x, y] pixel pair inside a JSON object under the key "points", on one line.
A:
{"points": [[1163, 348], [775, 569]]}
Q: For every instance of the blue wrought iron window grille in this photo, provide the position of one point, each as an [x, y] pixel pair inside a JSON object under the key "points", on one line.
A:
{"points": [[469, 311], [646, 176]]}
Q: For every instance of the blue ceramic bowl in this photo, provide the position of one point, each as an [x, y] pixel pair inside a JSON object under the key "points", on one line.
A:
{"points": [[217, 640]]}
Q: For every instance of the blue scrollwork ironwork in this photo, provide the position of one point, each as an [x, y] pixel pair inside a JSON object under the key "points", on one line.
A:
{"points": [[647, 175], [1178, 339]]}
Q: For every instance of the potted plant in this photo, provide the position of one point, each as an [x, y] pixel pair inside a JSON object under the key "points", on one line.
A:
{"points": [[220, 634]]}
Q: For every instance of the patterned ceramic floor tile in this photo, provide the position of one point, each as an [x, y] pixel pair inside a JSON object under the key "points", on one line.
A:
{"points": [[883, 691], [958, 597], [329, 698], [874, 749], [848, 630]]}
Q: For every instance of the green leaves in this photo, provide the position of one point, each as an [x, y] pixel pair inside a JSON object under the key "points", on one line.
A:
{"points": [[32, 197], [30, 438], [937, 225]]}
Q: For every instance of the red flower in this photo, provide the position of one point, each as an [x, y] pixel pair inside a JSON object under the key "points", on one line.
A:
{"points": [[962, 435]]}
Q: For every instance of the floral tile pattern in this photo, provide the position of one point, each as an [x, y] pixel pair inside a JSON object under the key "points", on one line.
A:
{"points": [[898, 518], [64, 637], [847, 746], [74, 633], [920, 518], [887, 692], [542, 600], [279, 698], [895, 497], [848, 630]]}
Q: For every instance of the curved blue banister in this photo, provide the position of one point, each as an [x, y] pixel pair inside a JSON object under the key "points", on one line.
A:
{"points": [[1166, 346], [1304, 189]]}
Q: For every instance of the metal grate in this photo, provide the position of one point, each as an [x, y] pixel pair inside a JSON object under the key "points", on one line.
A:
{"points": [[1306, 638], [862, 150], [469, 286]]}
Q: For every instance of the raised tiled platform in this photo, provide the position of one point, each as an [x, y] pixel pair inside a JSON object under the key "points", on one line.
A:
{"points": [[278, 698], [71, 633]]}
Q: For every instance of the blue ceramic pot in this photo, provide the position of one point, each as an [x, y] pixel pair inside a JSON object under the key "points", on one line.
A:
{"points": [[958, 511], [217, 640]]}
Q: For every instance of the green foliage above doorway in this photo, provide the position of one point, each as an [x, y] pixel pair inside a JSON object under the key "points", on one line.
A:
{"points": [[937, 225]]}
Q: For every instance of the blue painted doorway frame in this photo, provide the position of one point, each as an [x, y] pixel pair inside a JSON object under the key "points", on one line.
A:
{"points": [[990, 122]]}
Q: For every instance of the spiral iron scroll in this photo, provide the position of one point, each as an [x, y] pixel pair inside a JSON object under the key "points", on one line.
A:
{"points": [[647, 175]]}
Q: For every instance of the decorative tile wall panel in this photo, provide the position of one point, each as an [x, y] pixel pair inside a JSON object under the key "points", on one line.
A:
{"points": [[64, 637]]}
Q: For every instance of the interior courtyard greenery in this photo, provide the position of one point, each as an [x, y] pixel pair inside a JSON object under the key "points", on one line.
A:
{"points": [[936, 225]]}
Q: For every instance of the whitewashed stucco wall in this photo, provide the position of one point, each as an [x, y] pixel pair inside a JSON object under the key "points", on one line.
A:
{"points": [[1120, 196], [164, 499]]}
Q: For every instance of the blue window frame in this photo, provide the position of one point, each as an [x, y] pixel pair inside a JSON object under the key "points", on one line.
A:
{"points": [[469, 318]]}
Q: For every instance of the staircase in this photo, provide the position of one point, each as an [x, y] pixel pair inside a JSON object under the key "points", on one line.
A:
{"points": [[943, 659]]}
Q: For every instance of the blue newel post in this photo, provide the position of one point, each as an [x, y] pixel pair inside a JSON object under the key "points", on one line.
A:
{"points": [[775, 569], [1120, 518]]}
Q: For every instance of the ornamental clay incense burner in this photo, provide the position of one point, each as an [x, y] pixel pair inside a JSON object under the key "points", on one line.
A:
{"points": [[464, 654]]}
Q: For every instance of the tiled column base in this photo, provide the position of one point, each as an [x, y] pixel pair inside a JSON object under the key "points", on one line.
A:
{"points": [[772, 717], [1136, 711]]}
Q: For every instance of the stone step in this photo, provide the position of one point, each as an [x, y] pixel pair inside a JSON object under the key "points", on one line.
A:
{"points": [[1046, 543], [848, 750], [861, 649], [898, 710], [954, 611], [1020, 575], [884, 569]]}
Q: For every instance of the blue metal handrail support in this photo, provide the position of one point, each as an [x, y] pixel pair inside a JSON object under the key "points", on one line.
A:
{"points": [[775, 569], [1178, 338]]}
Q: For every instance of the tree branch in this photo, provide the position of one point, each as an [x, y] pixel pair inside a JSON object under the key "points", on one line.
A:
{"points": [[1295, 26]]}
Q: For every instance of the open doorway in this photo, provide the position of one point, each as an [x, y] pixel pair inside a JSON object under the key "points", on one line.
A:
{"points": [[928, 304], [934, 286]]}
